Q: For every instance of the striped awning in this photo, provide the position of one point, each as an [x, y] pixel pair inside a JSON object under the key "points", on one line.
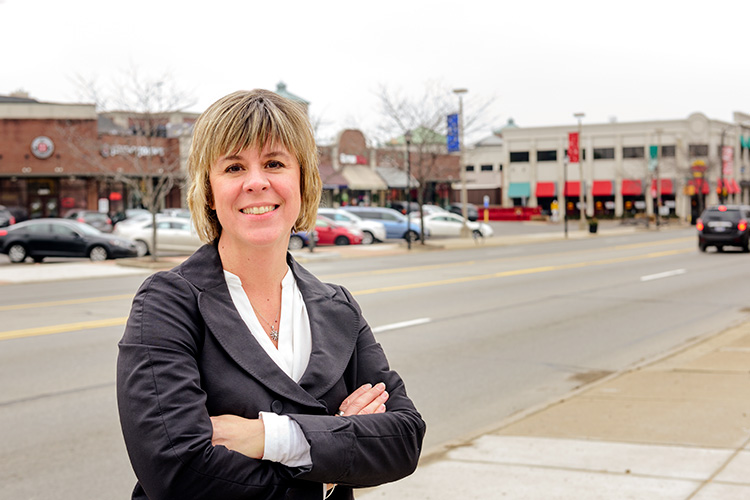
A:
{"points": [[632, 187]]}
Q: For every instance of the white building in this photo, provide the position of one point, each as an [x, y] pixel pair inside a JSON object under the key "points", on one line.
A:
{"points": [[620, 165]]}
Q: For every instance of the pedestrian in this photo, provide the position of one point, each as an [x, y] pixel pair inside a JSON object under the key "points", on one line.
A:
{"points": [[240, 375]]}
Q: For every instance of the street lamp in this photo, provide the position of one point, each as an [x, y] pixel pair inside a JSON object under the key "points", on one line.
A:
{"points": [[582, 221], [464, 196], [407, 138]]}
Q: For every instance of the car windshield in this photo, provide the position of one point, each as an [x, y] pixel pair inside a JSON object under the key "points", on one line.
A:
{"points": [[728, 214]]}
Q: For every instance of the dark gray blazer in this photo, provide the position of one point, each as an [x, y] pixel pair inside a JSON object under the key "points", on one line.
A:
{"points": [[186, 354]]}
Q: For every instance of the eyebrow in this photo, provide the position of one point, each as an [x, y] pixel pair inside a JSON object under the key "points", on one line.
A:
{"points": [[270, 154]]}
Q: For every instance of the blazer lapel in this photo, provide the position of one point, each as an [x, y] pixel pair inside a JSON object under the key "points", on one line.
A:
{"points": [[334, 324]]}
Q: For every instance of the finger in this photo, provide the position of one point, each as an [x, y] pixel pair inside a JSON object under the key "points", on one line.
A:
{"points": [[355, 395], [357, 405], [375, 405], [381, 409]]}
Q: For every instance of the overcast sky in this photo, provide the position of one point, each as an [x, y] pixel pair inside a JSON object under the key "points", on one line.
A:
{"points": [[539, 61]]}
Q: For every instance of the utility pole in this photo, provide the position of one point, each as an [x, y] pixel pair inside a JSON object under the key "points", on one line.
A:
{"points": [[658, 177], [464, 194], [581, 203]]}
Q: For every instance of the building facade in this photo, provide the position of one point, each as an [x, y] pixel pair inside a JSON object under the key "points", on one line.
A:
{"points": [[624, 168]]}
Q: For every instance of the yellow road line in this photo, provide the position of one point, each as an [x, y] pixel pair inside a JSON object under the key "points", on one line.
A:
{"points": [[68, 327], [65, 302], [519, 272]]}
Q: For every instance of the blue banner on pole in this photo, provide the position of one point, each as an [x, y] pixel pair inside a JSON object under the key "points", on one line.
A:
{"points": [[452, 138]]}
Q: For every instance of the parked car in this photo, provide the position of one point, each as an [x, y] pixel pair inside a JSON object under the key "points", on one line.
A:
{"points": [[40, 238], [396, 224], [724, 225], [6, 217], [129, 214], [99, 220], [372, 231], [173, 234], [428, 209], [300, 240], [449, 224], [471, 210], [330, 233], [176, 212], [405, 206]]}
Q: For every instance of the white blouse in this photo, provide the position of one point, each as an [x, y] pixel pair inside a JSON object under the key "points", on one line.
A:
{"points": [[285, 441]]}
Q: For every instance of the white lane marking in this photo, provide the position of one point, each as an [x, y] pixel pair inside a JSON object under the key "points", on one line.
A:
{"points": [[665, 274], [403, 324]]}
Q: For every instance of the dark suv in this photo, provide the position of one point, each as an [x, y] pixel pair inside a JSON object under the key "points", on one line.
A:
{"points": [[6, 217], [724, 225]]}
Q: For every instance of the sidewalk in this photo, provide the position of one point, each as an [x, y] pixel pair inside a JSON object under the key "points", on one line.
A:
{"points": [[678, 428]]}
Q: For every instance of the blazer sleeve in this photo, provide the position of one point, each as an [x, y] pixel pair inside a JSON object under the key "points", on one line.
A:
{"points": [[162, 406], [365, 450]]}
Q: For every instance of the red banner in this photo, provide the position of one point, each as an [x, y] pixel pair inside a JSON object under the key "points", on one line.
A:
{"points": [[573, 147]]}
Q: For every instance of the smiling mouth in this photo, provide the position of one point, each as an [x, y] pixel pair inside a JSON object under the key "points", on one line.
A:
{"points": [[258, 210]]}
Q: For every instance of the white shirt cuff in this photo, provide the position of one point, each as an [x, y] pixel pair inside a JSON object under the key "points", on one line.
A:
{"points": [[285, 441]]}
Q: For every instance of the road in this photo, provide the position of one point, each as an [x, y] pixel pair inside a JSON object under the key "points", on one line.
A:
{"points": [[477, 335]]}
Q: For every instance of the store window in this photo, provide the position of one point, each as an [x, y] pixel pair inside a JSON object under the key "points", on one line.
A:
{"points": [[667, 151], [698, 149], [604, 153], [634, 152], [550, 155], [469, 168], [519, 156], [486, 168]]}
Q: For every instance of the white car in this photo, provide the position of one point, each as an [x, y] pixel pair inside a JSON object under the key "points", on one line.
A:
{"points": [[372, 231], [173, 234], [449, 224]]}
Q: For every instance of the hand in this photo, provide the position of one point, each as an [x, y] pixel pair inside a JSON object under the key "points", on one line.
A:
{"points": [[243, 435], [365, 401]]}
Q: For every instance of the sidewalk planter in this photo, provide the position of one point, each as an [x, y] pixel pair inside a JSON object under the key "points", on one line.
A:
{"points": [[593, 226]]}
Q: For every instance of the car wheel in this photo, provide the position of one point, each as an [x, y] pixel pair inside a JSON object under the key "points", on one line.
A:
{"points": [[367, 238], [702, 246], [341, 240], [38, 260], [411, 236], [477, 234], [719, 248], [141, 247], [296, 242], [746, 245], [98, 253], [17, 253]]}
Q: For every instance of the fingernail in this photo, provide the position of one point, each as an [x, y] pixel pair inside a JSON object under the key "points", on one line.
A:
{"points": [[384, 395], [380, 386]]}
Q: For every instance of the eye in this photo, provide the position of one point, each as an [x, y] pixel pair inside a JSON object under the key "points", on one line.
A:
{"points": [[274, 164], [234, 167]]}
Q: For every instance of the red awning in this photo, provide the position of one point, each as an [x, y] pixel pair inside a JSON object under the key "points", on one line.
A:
{"points": [[730, 184], [572, 189], [667, 186], [546, 189], [602, 188], [698, 184], [631, 187]]}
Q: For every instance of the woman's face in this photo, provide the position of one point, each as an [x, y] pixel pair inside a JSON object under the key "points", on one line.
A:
{"points": [[256, 195]]}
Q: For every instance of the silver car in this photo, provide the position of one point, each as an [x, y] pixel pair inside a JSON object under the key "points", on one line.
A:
{"points": [[173, 234], [372, 231]]}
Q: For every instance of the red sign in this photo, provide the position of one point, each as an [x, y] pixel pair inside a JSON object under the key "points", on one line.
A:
{"points": [[573, 147]]}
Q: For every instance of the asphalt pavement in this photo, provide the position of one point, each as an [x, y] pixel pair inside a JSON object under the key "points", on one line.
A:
{"points": [[676, 427]]}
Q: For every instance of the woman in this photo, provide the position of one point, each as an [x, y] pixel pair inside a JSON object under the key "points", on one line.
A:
{"points": [[240, 375]]}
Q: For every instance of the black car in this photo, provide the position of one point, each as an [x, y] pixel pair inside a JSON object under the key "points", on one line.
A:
{"points": [[40, 238], [724, 225], [6, 217], [471, 210], [99, 220]]}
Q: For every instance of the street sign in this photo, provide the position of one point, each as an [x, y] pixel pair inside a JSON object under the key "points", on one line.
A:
{"points": [[653, 157], [452, 138]]}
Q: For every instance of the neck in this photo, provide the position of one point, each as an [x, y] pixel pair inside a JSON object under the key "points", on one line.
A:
{"points": [[258, 268]]}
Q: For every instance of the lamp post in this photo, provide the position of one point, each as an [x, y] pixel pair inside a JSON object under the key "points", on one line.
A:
{"points": [[658, 177], [407, 138], [464, 195], [582, 211], [564, 197]]}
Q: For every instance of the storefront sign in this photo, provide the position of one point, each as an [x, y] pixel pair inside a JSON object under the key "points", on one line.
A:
{"points": [[346, 159], [127, 149], [42, 147]]}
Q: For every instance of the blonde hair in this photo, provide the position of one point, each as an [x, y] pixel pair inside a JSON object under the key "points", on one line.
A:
{"points": [[250, 119]]}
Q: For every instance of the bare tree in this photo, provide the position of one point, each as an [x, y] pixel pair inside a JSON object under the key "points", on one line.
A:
{"points": [[139, 148], [425, 118]]}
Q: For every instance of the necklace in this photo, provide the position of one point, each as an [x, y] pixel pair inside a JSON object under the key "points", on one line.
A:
{"points": [[274, 332]]}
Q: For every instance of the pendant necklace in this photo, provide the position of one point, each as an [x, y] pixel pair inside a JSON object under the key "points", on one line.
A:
{"points": [[274, 332]]}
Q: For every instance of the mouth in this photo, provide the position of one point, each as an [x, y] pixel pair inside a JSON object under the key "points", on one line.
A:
{"points": [[259, 210]]}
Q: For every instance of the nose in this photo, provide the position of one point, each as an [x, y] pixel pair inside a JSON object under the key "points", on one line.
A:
{"points": [[255, 180]]}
